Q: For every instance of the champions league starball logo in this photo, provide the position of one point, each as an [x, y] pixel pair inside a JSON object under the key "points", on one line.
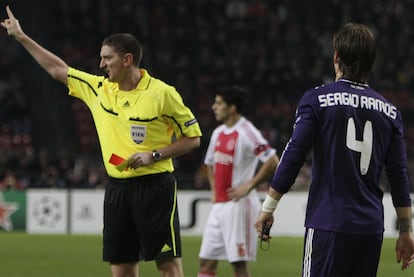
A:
{"points": [[6, 210], [47, 211]]}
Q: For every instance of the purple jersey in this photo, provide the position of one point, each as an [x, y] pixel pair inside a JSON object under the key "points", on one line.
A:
{"points": [[354, 132]]}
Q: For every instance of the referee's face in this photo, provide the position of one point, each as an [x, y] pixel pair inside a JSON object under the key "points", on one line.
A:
{"points": [[112, 63], [220, 109]]}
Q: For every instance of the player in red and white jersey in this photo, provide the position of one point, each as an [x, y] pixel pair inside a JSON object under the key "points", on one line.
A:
{"points": [[235, 151]]}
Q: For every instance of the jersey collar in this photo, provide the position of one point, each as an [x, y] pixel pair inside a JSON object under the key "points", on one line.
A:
{"points": [[352, 82], [143, 84]]}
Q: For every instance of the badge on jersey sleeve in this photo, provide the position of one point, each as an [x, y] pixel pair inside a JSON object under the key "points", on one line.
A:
{"points": [[138, 133]]}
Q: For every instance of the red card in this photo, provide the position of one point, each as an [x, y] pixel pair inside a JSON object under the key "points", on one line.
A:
{"points": [[116, 160]]}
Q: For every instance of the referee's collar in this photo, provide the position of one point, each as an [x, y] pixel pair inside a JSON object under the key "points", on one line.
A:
{"points": [[143, 84]]}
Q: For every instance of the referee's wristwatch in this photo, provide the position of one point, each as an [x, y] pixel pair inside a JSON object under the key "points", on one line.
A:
{"points": [[156, 155]]}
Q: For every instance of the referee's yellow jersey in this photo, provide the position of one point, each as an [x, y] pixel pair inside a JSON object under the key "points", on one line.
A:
{"points": [[144, 119]]}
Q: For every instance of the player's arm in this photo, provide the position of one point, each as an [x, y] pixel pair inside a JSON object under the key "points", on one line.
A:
{"points": [[210, 177], [54, 65], [266, 214], [293, 159], [404, 248], [264, 173]]}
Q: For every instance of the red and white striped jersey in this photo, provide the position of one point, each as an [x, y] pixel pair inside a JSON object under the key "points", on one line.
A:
{"points": [[234, 154]]}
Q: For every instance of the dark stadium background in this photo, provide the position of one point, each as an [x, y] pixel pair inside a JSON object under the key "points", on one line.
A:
{"points": [[276, 49]]}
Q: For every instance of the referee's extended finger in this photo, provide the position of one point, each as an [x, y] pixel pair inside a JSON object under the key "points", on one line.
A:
{"points": [[9, 12]]}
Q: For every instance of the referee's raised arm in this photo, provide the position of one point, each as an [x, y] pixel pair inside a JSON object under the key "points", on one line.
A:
{"points": [[53, 65]]}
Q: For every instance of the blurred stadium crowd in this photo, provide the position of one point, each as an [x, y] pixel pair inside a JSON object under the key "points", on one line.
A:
{"points": [[276, 49]]}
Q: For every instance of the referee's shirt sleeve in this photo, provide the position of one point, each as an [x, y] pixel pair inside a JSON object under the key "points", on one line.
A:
{"points": [[84, 85], [185, 122]]}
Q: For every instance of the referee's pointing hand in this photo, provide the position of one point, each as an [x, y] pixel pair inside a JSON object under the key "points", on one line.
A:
{"points": [[12, 25]]}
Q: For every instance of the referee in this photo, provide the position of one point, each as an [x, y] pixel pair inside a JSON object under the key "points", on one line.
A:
{"points": [[142, 123]]}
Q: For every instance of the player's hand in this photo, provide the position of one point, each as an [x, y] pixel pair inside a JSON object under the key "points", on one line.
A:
{"points": [[404, 249], [140, 159], [264, 219], [12, 25], [238, 192]]}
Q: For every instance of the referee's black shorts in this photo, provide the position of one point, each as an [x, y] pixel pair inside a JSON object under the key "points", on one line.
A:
{"points": [[141, 219]]}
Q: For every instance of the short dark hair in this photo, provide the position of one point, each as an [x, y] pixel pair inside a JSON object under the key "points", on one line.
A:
{"points": [[356, 49], [124, 43], [234, 95]]}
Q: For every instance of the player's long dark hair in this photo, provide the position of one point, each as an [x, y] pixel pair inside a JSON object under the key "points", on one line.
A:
{"points": [[356, 49], [124, 43]]}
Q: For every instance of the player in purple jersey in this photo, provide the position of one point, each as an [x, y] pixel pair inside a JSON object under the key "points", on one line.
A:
{"points": [[354, 133]]}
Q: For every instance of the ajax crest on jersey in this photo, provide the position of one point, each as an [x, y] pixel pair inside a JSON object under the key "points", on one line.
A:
{"points": [[138, 133]]}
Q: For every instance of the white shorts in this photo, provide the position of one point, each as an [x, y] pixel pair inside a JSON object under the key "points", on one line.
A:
{"points": [[229, 233]]}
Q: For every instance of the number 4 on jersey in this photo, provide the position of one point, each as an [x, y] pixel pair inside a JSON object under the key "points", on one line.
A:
{"points": [[364, 147]]}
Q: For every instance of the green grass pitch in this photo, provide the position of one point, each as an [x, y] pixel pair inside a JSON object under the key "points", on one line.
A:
{"points": [[80, 255]]}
